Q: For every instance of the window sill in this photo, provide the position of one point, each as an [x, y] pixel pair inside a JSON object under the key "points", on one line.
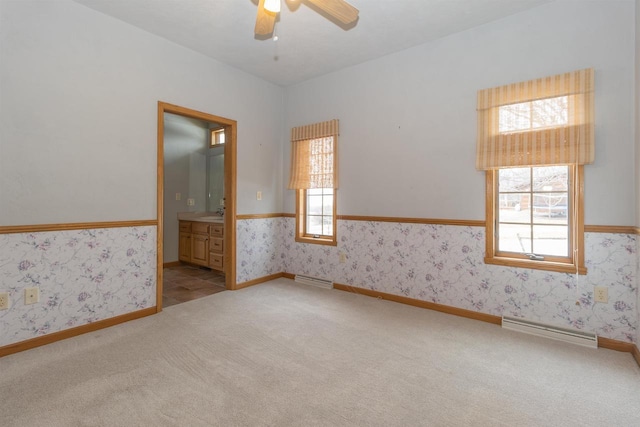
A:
{"points": [[536, 265], [317, 240]]}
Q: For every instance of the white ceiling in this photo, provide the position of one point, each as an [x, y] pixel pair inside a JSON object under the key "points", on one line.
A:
{"points": [[309, 44]]}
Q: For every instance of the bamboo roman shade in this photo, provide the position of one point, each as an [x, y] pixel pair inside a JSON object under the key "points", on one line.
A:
{"points": [[314, 156], [546, 121]]}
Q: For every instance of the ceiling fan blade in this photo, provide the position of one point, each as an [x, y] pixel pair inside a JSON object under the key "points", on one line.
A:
{"points": [[265, 20], [339, 9]]}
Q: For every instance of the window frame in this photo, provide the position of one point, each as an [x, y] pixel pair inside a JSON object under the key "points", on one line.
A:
{"points": [[214, 139], [301, 221], [571, 264]]}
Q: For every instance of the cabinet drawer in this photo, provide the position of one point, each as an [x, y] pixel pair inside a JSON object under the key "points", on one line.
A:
{"points": [[216, 261], [216, 244], [216, 229], [185, 227], [200, 227]]}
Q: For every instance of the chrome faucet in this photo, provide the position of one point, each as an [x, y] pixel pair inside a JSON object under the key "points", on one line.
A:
{"points": [[220, 211]]}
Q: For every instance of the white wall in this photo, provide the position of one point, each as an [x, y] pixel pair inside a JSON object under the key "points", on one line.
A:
{"points": [[407, 148], [78, 116], [408, 120], [78, 136]]}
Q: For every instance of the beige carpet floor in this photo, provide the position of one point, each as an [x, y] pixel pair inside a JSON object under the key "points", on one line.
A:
{"points": [[284, 354]]}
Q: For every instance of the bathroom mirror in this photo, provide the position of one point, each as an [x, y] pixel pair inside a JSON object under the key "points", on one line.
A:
{"points": [[215, 178]]}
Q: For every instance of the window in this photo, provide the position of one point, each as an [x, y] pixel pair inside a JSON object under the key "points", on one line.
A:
{"points": [[539, 114], [536, 217], [314, 177], [315, 215], [533, 139], [319, 208], [217, 137]]}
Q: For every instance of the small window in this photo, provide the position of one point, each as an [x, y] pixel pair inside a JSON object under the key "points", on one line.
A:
{"points": [[532, 115], [217, 137]]}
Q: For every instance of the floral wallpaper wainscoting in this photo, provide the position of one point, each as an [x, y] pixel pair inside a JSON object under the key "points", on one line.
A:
{"points": [[259, 253], [83, 276], [444, 264]]}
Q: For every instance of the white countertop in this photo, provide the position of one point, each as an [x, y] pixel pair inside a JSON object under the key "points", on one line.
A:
{"points": [[200, 217]]}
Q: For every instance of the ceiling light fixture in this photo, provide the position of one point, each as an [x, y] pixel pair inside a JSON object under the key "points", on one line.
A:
{"points": [[339, 11], [272, 5]]}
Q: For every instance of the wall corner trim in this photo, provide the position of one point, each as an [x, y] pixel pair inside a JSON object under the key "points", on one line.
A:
{"points": [[258, 281]]}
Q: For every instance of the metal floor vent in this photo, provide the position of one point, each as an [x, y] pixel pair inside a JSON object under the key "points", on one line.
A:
{"points": [[586, 339], [321, 283]]}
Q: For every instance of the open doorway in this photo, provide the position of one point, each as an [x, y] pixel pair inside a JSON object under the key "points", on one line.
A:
{"points": [[220, 232]]}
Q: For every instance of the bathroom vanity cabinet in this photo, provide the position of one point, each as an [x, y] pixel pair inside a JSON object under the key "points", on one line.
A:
{"points": [[202, 243]]}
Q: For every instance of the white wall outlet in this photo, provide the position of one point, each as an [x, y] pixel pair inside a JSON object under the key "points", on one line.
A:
{"points": [[259, 195], [31, 295], [601, 294], [4, 300], [191, 202], [342, 258], [178, 196], [221, 202]]}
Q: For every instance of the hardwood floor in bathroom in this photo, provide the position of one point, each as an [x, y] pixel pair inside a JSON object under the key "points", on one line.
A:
{"points": [[185, 283]]}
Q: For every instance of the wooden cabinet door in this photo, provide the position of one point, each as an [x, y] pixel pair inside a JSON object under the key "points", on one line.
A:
{"points": [[184, 247], [200, 249]]}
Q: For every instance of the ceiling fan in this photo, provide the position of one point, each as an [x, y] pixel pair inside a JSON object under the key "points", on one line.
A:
{"points": [[339, 10]]}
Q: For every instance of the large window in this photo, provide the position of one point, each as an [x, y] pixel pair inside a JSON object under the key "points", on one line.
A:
{"points": [[533, 139], [536, 217], [314, 177]]}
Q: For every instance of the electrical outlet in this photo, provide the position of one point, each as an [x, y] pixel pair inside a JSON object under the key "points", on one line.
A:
{"points": [[191, 202], [601, 294], [342, 257], [259, 195], [31, 295], [178, 196], [4, 300], [221, 202]]}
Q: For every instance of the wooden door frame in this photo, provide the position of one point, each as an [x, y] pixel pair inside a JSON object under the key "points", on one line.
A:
{"points": [[230, 181]]}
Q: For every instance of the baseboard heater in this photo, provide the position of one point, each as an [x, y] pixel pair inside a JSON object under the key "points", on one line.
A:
{"points": [[307, 280], [586, 339]]}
